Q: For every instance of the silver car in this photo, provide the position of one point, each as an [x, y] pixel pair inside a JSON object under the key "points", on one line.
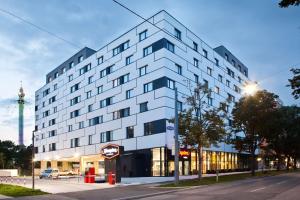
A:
{"points": [[49, 173]]}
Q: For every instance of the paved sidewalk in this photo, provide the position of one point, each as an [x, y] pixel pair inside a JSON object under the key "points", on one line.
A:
{"points": [[4, 197]]}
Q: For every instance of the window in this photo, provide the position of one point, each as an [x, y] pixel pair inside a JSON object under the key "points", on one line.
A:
{"points": [[209, 101], [44, 149], [80, 59], [179, 106], [143, 70], [226, 57], [52, 133], [129, 94], [121, 80], [220, 78], [170, 46], [171, 84], [64, 70], [81, 125], [148, 87], [204, 53], [144, 107], [106, 136], [154, 127], [85, 69], [74, 113], [209, 71], [121, 48], [52, 147], [227, 83], [71, 64], [44, 104], [75, 100], [74, 87], [46, 92], [195, 46], [52, 122], [52, 99], [106, 102], [74, 142], [143, 35], [237, 89], [217, 90], [231, 97], [177, 33], [55, 86], [239, 79], [90, 139], [100, 60], [90, 80], [129, 132], [55, 109], [196, 77], [89, 94], [128, 60], [147, 51], [196, 62], [106, 71], [233, 62], [205, 83], [70, 128], [217, 61], [179, 69], [71, 77], [100, 89], [96, 120], [46, 113], [121, 113], [90, 108]]}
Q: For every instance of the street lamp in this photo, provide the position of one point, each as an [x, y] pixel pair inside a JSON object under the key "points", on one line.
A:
{"points": [[250, 88], [33, 157]]}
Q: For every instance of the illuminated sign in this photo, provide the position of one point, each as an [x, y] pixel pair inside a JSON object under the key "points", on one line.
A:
{"points": [[185, 154], [110, 151]]}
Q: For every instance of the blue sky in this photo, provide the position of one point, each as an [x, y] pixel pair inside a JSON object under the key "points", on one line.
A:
{"points": [[263, 36]]}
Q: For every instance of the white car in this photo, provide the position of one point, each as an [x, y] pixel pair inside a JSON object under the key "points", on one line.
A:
{"points": [[49, 173]]}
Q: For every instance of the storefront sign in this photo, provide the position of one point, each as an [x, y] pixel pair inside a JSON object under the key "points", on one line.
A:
{"points": [[185, 154], [110, 151], [170, 128]]}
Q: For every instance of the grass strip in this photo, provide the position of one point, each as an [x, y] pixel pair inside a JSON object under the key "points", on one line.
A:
{"points": [[18, 191]]}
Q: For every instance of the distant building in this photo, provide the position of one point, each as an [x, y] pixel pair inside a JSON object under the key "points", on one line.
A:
{"points": [[124, 94]]}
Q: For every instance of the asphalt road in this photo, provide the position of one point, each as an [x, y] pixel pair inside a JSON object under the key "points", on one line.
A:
{"points": [[282, 187]]}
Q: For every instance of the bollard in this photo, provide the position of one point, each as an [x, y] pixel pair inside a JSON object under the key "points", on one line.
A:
{"points": [[24, 180]]}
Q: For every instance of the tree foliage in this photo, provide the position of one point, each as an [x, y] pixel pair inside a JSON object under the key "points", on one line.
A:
{"points": [[287, 3], [295, 83], [200, 125], [15, 156], [250, 116]]}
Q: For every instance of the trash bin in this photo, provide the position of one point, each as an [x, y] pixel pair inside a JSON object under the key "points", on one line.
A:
{"points": [[89, 175]]}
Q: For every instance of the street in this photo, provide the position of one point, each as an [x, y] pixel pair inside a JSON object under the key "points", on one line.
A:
{"points": [[286, 186]]}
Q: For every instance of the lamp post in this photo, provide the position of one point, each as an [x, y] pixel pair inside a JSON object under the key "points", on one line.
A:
{"points": [[176, 174]]}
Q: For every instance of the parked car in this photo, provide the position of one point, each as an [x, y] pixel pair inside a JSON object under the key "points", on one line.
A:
{"points": [[49, 173], [67, 173]]}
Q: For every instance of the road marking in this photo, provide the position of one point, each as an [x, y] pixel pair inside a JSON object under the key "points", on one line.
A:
{"points": [[257, 189], [280, 182]]}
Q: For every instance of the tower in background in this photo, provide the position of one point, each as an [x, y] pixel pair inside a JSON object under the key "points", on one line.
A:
{"points": [[21, 115]]}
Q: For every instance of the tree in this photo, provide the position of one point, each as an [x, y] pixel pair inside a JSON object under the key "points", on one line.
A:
{"points": [[250, 116], [295, 83], [287, 3], [200, 126]]}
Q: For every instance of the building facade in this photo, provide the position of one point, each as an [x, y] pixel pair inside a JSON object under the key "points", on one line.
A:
{"points": [[124, 94]]}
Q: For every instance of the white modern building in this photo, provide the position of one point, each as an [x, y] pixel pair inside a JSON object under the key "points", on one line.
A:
{"points": [[123, 94]]}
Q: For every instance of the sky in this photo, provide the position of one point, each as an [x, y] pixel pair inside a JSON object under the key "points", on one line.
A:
{"points": [[263, 36]]}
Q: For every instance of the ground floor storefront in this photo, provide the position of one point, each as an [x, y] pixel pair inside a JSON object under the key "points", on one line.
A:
{"points": [[155, 162]]}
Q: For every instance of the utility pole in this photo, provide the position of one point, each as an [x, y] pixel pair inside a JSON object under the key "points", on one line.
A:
{"points": [[32, 162], [176, 178]]}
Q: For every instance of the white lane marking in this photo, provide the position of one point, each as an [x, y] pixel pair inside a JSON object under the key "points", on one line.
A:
{"points": [[258, 189], [280, 182]]}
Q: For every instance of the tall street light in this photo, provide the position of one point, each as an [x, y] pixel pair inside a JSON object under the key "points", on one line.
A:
{"points": [[33, 157]]}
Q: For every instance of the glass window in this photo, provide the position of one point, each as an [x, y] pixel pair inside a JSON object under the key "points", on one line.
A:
{"points": [[90, 108], [209, 71], [89, 94], [71, 77], [100, 60], [129, 60], [217, 61], [80, 59], [90, 139], [171, 84], [143, 35], [148, 87], [170, 46], [90, 79], [129, 94], [179, 69], [196, 62], [129, 132], [196, 77], [220, 78], [147, 51], [143, 70], [204, 53], [195, 46], [100, 89], [144, 107], [177, 33]]}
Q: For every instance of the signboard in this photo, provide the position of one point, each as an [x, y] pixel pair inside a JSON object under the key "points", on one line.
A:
{"points": [[185, 154], [170, 128], [110, 151]]}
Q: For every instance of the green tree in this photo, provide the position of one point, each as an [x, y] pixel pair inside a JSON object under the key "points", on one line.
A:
{"points": [[200, 126], [250, 116], [287, 3], [295, 83], [2, 160]]}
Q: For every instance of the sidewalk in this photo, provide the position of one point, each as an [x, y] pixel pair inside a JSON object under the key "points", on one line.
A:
{"points": [[4, 197]]}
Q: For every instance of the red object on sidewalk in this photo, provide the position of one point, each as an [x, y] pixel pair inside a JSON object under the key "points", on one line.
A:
{"points": [[89, 175], [111, 178]]}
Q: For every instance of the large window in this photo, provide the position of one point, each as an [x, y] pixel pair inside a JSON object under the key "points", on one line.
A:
{"points": [[154, 127], [148, 87]]}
